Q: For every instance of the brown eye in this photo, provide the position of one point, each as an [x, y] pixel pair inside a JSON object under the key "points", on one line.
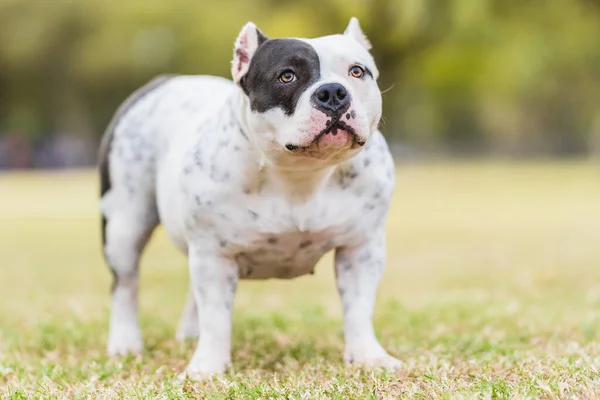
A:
{"points": [[357, 71], [287, 77]]}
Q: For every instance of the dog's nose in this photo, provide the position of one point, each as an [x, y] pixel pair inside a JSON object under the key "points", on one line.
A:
{"points": [[331, 98]]}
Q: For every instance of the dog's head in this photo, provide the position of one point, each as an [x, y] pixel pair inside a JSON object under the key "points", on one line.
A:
{"points": [[309, 101]]}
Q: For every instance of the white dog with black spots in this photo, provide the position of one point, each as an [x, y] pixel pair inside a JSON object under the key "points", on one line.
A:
{"points": [[253, 179]]}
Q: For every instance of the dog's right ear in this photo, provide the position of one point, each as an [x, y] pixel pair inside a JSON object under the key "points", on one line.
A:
{"points": [[249, 39]]}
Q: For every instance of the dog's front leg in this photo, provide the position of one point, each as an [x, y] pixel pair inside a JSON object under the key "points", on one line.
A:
{"points": [[358, 272], [213, 281]]}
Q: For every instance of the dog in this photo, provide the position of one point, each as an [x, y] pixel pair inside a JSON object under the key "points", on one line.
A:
{"points": [[253, 178]]}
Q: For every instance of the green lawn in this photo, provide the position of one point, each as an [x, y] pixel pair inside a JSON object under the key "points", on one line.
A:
{"points": [[492, 290]]}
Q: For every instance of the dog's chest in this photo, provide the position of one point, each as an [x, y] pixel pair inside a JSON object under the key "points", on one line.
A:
{"points": [[285, 255], [271, 238]]}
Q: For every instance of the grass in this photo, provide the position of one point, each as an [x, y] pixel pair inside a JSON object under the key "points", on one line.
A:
{"points": [[492, 290]]}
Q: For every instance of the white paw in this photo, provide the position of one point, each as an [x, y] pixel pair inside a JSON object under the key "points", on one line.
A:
{"points": [[122, 341], [196, 376], [203, 372], [377, 358]]}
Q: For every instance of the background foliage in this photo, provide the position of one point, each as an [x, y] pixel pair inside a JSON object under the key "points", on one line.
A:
{"points": [[487, 76]]}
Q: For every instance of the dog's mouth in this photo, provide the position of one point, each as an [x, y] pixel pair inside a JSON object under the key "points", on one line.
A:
{"points": [[332, 127]]}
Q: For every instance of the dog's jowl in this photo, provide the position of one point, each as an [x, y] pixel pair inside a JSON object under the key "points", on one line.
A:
{"points": [[256, 178]]}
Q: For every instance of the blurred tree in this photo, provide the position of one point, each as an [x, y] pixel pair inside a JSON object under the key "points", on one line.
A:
{"points": [[489, 75]]}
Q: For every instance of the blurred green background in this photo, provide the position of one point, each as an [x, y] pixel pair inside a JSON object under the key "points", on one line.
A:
{"points": [[461, 77]]}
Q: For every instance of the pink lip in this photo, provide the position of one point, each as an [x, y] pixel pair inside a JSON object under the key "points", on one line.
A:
{"points": [[336, 132], [338, 139]]}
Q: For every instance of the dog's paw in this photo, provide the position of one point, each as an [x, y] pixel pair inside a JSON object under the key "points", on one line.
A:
{"points": [[124, 341], [385, 362], [203, 372], [197, 376], [376, 359]]}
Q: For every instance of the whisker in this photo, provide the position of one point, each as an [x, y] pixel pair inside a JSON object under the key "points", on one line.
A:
{"points": [[382, 122], [388, 89]]}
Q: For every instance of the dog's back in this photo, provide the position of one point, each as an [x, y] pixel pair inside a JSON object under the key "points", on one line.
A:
{"points": [[129, 140], [107, 139]]}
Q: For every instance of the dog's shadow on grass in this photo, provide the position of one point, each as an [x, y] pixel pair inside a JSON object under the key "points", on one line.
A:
{"points": [[272, 343], [275, 341]]}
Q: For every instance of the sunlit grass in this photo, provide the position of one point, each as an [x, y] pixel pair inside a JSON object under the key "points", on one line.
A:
{"points": [[492, 289]]}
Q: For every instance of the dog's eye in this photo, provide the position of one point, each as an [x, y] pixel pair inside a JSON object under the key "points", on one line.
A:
{"points": [[357, 71], [287, 77]]}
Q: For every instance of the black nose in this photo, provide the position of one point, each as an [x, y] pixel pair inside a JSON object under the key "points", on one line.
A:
{"points": [[331, 98]]}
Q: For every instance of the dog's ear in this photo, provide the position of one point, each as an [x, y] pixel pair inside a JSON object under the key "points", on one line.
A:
{"points": [[249, 39], [353, 30]]}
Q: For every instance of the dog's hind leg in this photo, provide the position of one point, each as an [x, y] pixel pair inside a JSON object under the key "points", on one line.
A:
{"points": [[129, 218], [127, 232], [129, 213]]}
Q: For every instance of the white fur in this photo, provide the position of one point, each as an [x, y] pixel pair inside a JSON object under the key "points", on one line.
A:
{"points": [[192, 154], [354, 30]]}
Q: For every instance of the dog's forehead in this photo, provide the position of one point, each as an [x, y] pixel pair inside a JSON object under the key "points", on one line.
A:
{"points": [[337, 49]]}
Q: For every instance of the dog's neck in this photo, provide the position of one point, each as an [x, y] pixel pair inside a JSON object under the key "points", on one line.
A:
{"points": [[299, 185], [298, 180]]}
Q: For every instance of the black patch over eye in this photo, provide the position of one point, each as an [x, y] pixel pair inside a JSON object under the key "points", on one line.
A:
{"points": [[357, 71], [276, 57], [287, 77]]}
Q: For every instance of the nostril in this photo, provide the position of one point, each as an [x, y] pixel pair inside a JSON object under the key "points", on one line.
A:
{"points": [[341, 93], [323, 95], [291, 147]]}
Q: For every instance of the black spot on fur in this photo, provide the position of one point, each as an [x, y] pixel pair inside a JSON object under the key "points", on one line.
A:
{"points": [[223, 216], [305, 244], [218, 175], [272, 240], [346, 177], [243, 133], [272, 58], [232, 281], [390, 173], [363, 258], [202, 202]]}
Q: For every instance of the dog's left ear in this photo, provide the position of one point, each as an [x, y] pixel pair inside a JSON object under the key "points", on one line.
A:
{"points": [[353, 30], [246, 44]]}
